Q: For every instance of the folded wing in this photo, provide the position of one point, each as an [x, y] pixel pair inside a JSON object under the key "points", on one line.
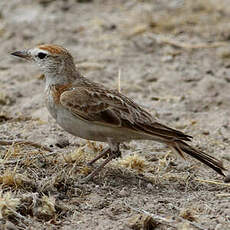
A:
{"points": [[110, 108]]}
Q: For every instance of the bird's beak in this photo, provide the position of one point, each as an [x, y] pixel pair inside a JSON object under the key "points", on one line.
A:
{"points": [[21, 54]]}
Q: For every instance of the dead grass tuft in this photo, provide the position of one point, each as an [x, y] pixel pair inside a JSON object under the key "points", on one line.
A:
{"points": [[11, 178], [163, 163], [188, 214], [92, 145], [4, 116], [142, 221], [5, 99], [135, 161], [78, 156], [82, 154], [47, 209], [8, 204], [184, 226]]}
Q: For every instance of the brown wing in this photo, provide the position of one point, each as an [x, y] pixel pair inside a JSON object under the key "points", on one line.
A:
{"points": [[110, 108]]}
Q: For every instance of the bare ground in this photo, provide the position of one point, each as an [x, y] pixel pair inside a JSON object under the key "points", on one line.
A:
{"points": [[174, 60]]}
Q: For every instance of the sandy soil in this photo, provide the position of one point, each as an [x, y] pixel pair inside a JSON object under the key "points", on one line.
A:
{"points": [[174, 60]]}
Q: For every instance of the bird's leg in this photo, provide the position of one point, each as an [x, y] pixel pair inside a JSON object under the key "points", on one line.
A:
{"points": [[97, 170], [114, 153], [104, 153]]}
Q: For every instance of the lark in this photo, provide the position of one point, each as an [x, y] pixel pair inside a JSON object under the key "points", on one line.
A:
{"points": [[91, 111]]}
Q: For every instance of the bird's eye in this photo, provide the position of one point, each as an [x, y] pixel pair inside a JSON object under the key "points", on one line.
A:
{"points": [[42, 55]]}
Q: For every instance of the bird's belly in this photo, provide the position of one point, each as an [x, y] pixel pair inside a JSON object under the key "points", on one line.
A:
{"points": [[91, 130]]}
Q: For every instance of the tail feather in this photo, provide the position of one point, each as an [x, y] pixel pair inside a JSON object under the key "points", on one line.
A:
{"points": [[182, 147]]}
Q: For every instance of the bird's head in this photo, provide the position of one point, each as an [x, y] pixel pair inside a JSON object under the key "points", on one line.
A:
{"points": [[52, 60]]}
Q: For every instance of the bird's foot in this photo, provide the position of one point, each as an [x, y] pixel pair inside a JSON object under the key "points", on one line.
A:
{"points": [[111, 156]]}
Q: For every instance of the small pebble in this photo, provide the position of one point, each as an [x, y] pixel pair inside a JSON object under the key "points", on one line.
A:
{"points": [[172, 163], [167, 58], [62, 143], [50, 141], [206, 132], [123, 193], [149, 186], [227, 179]]}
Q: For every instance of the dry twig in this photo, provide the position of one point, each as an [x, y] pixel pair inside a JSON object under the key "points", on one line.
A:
{"points": [[211, 182], [24, 142], [173, 42], [164, 220], [31, 158], [156, 217], [223, 195]]}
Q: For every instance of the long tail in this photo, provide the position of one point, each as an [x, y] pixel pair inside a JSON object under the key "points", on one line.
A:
{"points": [[182, 147]]}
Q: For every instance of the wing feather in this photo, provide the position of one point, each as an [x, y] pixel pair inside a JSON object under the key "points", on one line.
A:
{"points": [[110, 108]]}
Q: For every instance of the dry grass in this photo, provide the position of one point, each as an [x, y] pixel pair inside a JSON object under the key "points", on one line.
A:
{"points": [[79, 156], [35, 183], [47, 178], [135, 162], [8, 204], [46, 210], [188, 214], [5, 99], [11, 178], [142, 221]]}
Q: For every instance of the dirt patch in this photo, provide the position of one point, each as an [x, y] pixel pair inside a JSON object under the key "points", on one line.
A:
{"points": [[173, 57]]}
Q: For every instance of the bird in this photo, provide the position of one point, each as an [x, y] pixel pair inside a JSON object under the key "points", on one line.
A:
{"points": [[91, 111]]}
